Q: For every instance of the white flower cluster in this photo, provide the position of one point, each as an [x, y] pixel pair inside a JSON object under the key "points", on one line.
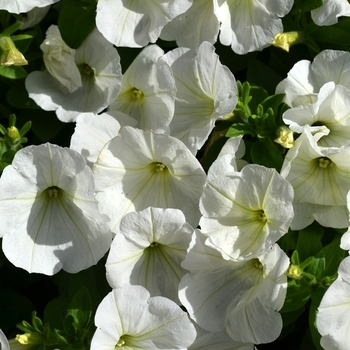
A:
{"points": [[131, 184], [318, 167]]}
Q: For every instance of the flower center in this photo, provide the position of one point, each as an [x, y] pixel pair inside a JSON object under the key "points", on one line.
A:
{"points": [[153, 244], [120, 344], [85, 69], [159, 167], [53, 191], [258, 264], [261, 215], [137, 94], [324, 162]]}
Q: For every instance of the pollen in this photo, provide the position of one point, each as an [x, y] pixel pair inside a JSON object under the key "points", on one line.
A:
{"points": [[324, 162], [159, 167]]}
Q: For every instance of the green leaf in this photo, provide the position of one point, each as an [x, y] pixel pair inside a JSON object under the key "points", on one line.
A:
{"points": [[317, 267], [6, 159], [265, 152], [333, 255], [55, 312], [297, 296], [238, 129], [273, 102], [332, 34], [13, 72], [19, 98], [258, 95], [76, 23], [306, 6], [80, 307], [10, 30], [289, 317], [309, 241]]}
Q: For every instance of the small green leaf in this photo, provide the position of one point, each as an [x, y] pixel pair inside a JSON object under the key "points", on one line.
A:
{"points": [[309, 241], [10, 30], [297, 296], [13, 72], [273, 102], [265, 152], [238, 129], [55, 313], [317, 267], [76, 23]]}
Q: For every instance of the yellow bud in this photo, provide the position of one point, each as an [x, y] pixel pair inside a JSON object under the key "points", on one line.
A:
{"points": [[29, 338], [13, 133], [285, 137], [294, 272], [286, 40], [11, 56]]}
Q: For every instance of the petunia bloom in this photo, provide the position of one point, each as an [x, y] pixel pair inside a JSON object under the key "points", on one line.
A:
{"points": [[138, 169], [18, 6], [50, 217], [128, 318], [332, 319], [136, 23], [148, 251], [245, 213], [250, 25], [98, 64], [240, 297]]}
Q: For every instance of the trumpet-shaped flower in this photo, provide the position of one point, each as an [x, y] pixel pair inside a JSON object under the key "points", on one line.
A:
{"points": [[332, 109], [320, 178], [148, 91], [149, 250], [50, 217], [332, 319], [98, 64], [305, 79], [136, 23], [250, 25], [138, 169], [18, 6], [196, 25], [330, 11], [93, 131], [241, 297], [206, 90], [128, 318], [245, 213]]}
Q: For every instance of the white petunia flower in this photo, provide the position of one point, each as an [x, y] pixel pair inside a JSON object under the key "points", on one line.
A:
{"points": [[18, 6], [247, 212], [93, 131], [332, 110], [241, 297], [50, 217], [128, 318], [332, 319], [149, 250], [138, 169], [320, 178], [196, 25], [330, 11], [98, 64], [148, 91], [136, 23], [206, 91], [250, 25], [305, 79]]}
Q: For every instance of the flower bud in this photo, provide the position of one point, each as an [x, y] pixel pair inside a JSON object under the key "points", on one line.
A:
{"points": [[11, 56], [286, 40], [59, 60], [285, 137]]}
